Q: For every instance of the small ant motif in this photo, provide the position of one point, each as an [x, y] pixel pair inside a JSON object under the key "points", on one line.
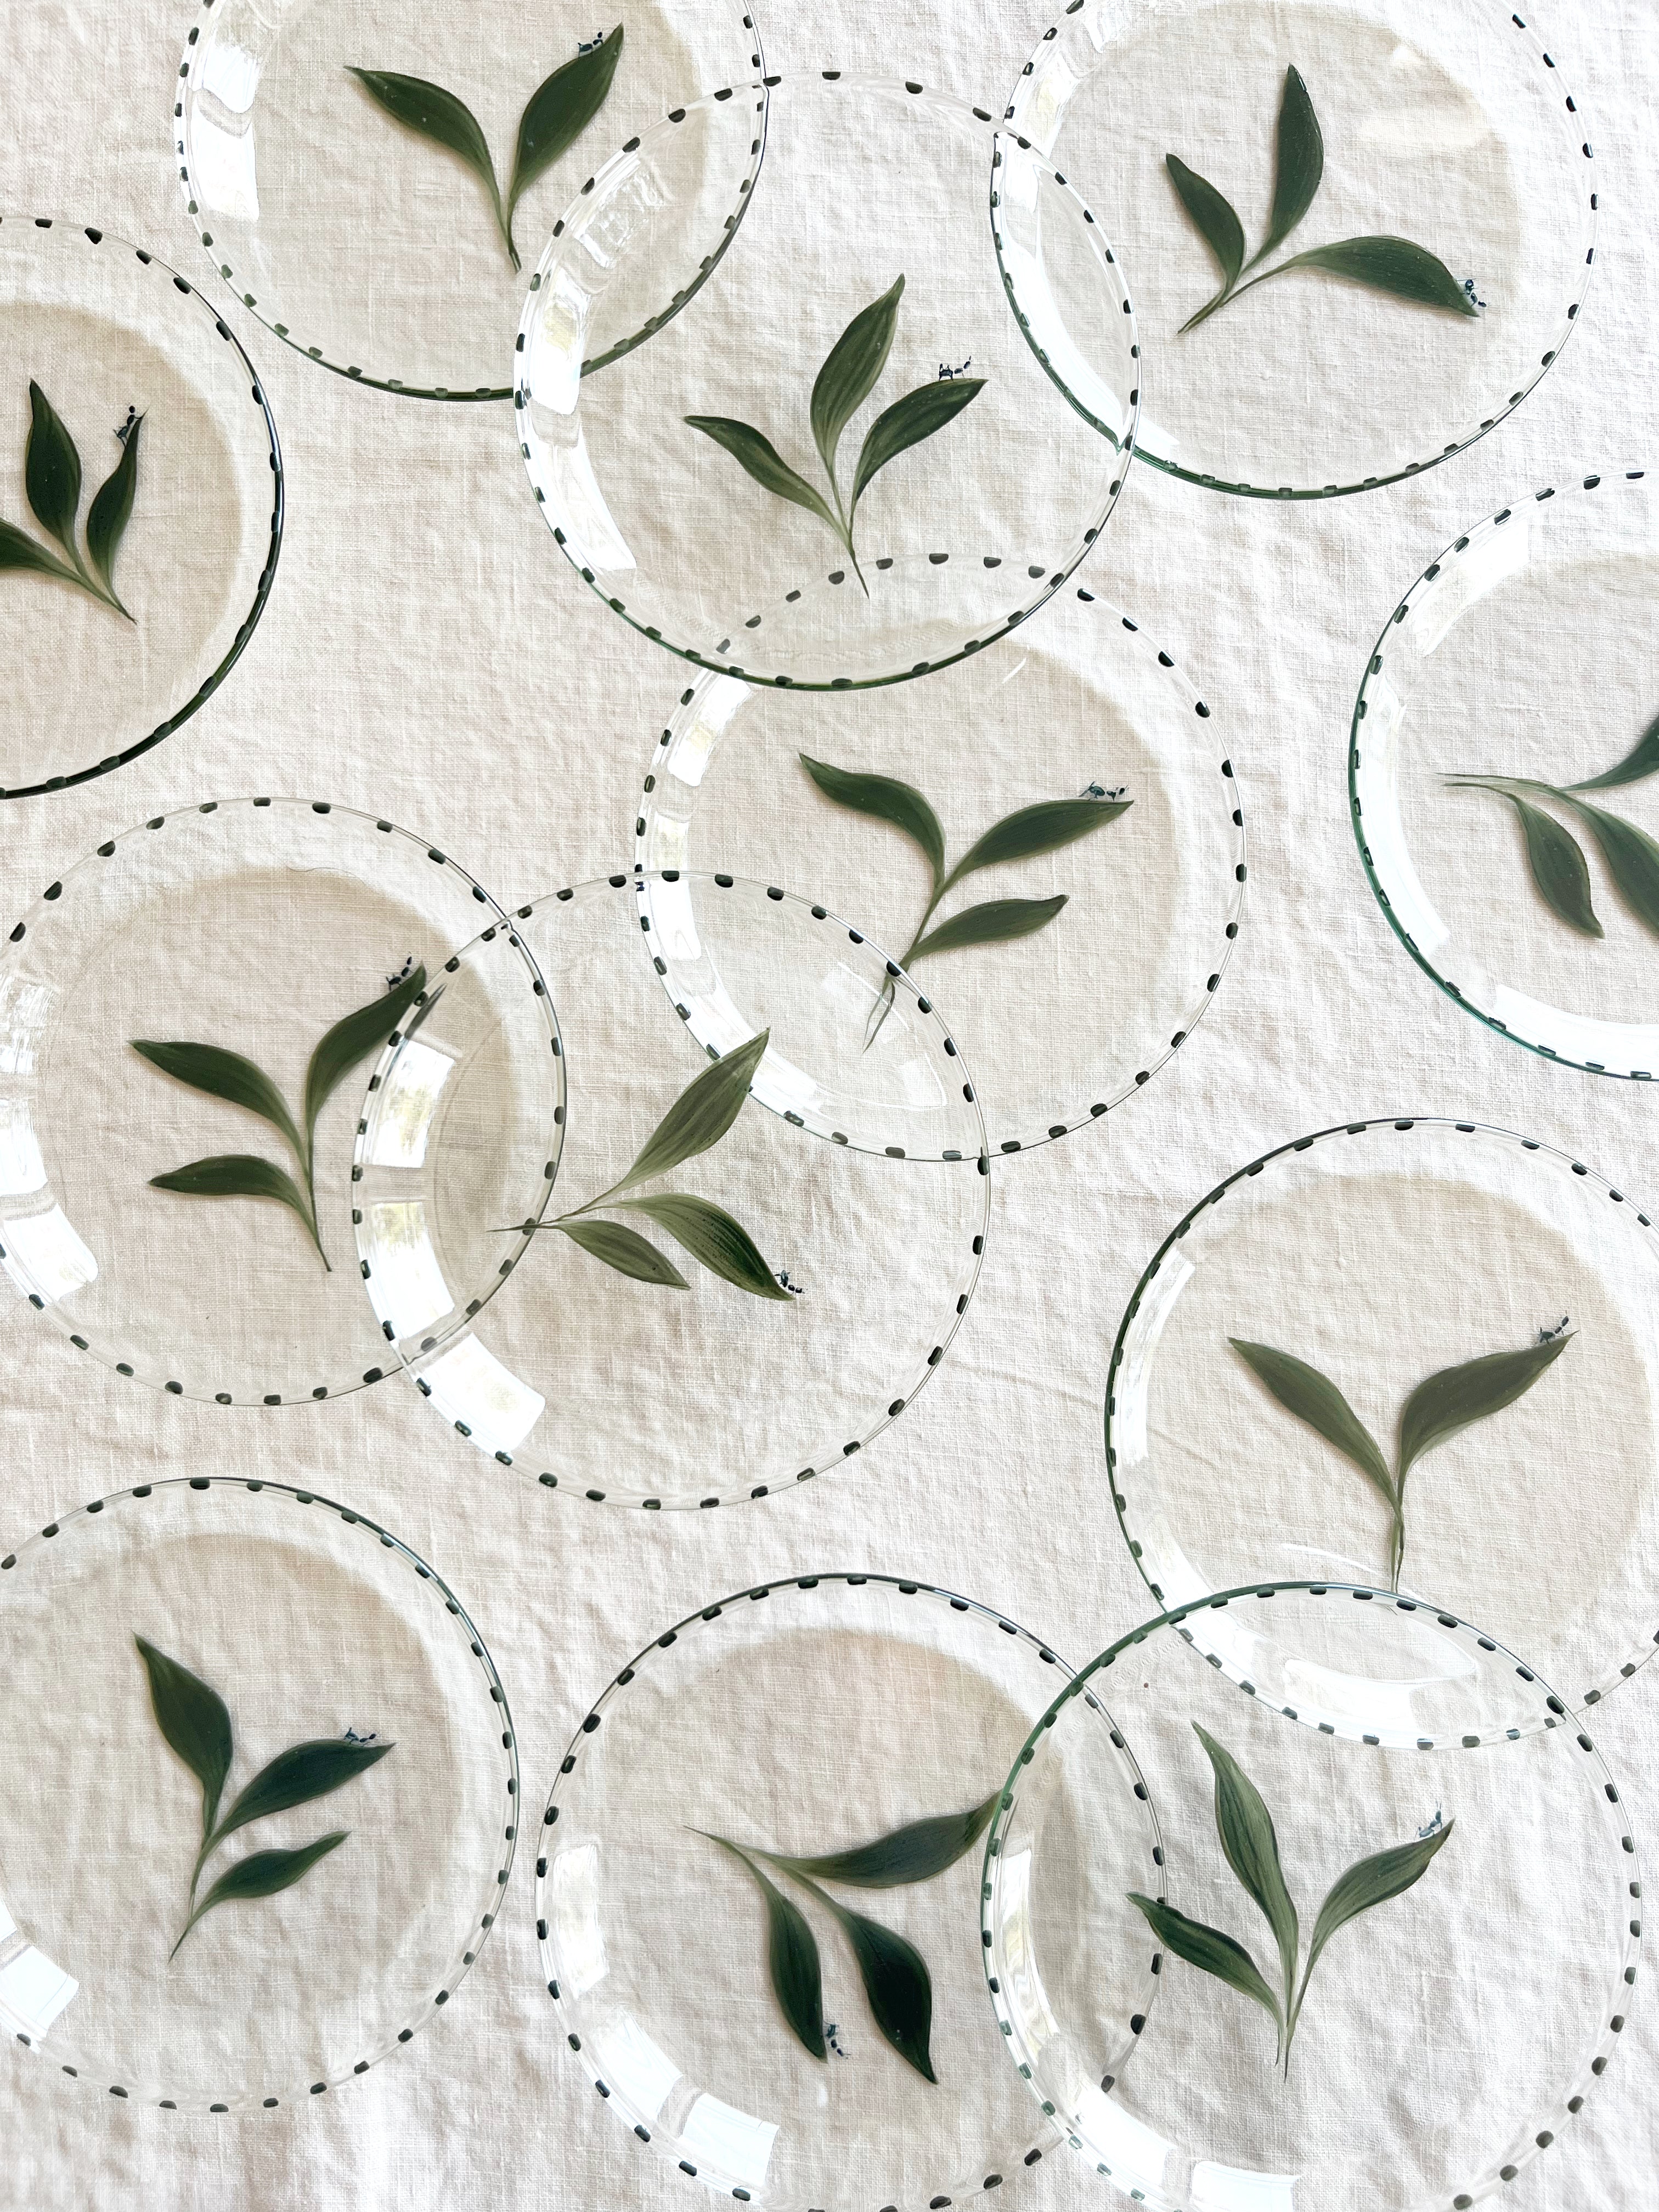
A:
{"points": [[392, 982], [591, 46], [1549, 1335], [1468, 286], [1094, 791], [795, 1289], [830, 2034], [128, 427], [949, 375], [352, 1736], [1433, 1828]]}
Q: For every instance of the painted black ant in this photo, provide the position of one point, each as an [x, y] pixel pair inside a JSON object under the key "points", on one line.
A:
{"points": [[1549, 1335], [948, 375], [1468, 286], [1094, 791], [352, 1736], [392, 982]]}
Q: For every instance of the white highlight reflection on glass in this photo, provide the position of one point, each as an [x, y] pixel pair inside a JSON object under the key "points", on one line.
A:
{"points": [[470, 1384], [32, 1990], [45, 1257], [636, 2068], [1237, 2188], [21, 1168], [409, 1290], [573, 1896], [737, 2142], [406, 1105]]}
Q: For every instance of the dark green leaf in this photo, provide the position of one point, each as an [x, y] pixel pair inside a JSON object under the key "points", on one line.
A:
{"points": [[1641, 761], [51, 473], [625, 1250], [995, 923], [352, 1040], [195, 1721], [1246, 1829], [225, 1075], [1456, 1397], [764, 462], [888, 800], [723, 1245], [264, 1873], [296, 1776], [896, 1981], [434, 113], [792, 1956], [111, 510], [1313, 1398], [849, 373], [920, 414], [1208, 1949], [1558, 866], [1047, 827], [559, 110], [914, 1853], [700, 1116], [1214, 216], [237, 1174], [1368, 1882], [19, 551], [1301, 163], [1631, 858], [1393, 265]]}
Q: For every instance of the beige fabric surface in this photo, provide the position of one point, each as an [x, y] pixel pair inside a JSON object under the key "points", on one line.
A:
{"points": [[428, 654]]}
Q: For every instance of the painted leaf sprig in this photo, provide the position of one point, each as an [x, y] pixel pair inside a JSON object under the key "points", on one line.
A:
{"points": [[897, 1985], [238, 1082], [694, 1123], [559, 110], [52, 486], [1386, 263], [195, 1722], [1447, 1402], [850, 375], [1251, 1848], [1560, 871]]}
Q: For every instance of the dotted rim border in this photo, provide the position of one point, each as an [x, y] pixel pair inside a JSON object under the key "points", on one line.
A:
{"points": [[824, 1461], [249, 623], [1643, 1650], [1461, 2201], [202, 1395], [392, 384], [1080, 1118], [1564, 329], [1047, 582], [468, 1953], [568, 2007], [1422, 589]]}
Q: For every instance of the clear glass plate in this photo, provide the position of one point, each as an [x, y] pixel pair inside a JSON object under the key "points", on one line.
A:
{"points": [[1458, 687], [310, 1623], [1381, 1254], [1524, 1923], [639, 1393], [253, 925], [672, 533], [107, 331], [807, 1716], [1069, 1022], [1449, 127], [369, 246]]}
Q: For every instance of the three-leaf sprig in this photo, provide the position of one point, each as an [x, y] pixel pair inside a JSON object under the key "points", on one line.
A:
{"points": [[559, 110], [1450, 1400], [1386, 263], [697, 1119], [896, 1982], [52, 484], [195, 1721], [1555, 856], [849, 376], [1246, 1829], [229, 1076]]}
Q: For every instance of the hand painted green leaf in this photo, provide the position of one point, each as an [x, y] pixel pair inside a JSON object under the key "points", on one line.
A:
{"points": [[1394, 265], [997, 922], [111, 510], [625, 1250], [1559, 867], [920, 414], [559, 110], [19, 551], [1301, 163], [849, 373], [1642, 761], [888, 800], [226, 1075], [263, 1873], [1047, 827], [897, 1982], [761, 458], [1214, 217], [350, 1041], [700, 1116], [1246, 1829], [195, 1721], [916, 1852], [1456, 1397], [297, 1776], [1314, 1398], [434, 113], [1368, 1882], [239, 1174], [1210, 1951], [51, 473], [792, 1956], [1631, 858], [723, 1245]]}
